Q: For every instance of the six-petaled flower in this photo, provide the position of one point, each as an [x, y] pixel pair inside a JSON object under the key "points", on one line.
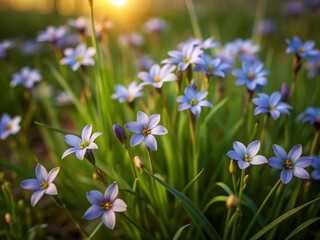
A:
{"points": [[105, 205], [157, 75], [26, 77], [43, 184], [301, 50], [9, 125], [124, 94], [212, 66], [291, 163], [52, 34]]}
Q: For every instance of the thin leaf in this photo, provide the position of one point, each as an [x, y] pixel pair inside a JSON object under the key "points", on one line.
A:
{"points": [[302, 226], [59, 130], [280, 219], [248, 202], [178, 233], [225, 187], [214, 110], [192, 181], [214, 200]]}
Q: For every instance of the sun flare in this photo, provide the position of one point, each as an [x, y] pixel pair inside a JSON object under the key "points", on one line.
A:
{"points": [[118, 3]]}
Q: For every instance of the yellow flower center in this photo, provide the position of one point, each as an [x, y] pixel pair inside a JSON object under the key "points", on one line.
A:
{"points": [[186, 59], [193, 102], [156, 79], [79, 59], [84, 144], [250, 76], [271, 107], [146, 131], [8, 127], [246, 158], [106, 205], [287, 164], [129, 97], [44, 185], [300, 50], [210, 69]]}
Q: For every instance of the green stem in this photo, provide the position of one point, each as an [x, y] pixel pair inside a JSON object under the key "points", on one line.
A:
{"points": [[264, 128], [260, 209], [296, 68], [225, 232], [131, 163], [61, 204], [314, 142], [193, 19], [150, 160], [95, 231]]}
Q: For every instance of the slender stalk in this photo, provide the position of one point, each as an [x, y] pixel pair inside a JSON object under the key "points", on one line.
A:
{"points": [[264, 128], [61, 204], [314, 142], [296, 68], [150, 160], [95, 231], [225, 231], [193, 19], [131, 163], [256, 215]]}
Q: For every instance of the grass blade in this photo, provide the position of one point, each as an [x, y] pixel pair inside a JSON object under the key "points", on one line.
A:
{"points": [[302, 226]]}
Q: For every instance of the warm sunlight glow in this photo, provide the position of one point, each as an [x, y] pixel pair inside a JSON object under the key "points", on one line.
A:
{"points": [[118, 3]]}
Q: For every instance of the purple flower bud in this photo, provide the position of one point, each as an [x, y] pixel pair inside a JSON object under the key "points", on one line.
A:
{"points": [[285, 91], [120, 133]]}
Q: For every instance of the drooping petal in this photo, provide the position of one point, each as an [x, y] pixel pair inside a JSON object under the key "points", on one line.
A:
{"points": [[119, 205], [151, 142], [142, 118], [153, 120], [239, 148], [86, 132], [136, 139], [243, 165], [95, 197], [159, 130], [196, 110], [80, 154], [275, 114], [111, 192], [95, 135], [234, 155], [41, 173], [300, 173], [286, 176], [31, 184], [276, 162], [93, 212], [69, 151], [72, 140], [183, 106], [109, 219], [295, 152], [53, 174], [303, 162], [279, 152], [35, 197], [135, 127], [253, 148], [259, 159], [51, 190]]}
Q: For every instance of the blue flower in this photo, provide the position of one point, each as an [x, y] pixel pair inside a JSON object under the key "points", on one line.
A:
{"points": [[144, 130], [157, 76], [271, 105], [313, 65], [212, 66], [52, 34], [105, 205], [291, 164], [311, 115], [27, 77], [43, 184], [244, 48], [124, 94], [155, 25], [81, 145], [81, 24], [9, 125], [80, 56], [302, 50], [4, 46], [189, 55], [246, 155], [206, 44], [316, 165], [193, 100], [251, 75]]}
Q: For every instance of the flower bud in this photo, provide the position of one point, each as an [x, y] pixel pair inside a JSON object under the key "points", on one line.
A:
{"points": [[138, 162], [285, 91], [8, 218], [120, 133], [232, 202], [232, 169]]}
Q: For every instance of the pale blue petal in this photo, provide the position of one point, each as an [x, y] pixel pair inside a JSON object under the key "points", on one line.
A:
{"points": [[86, 132], [135, 127], [295, 152], [276, 163], [142, 118], [93, 212], [51, 190], [136, 139], [95, 135], [196, 110], [153, 120], [151, 142], [31, 184], [184, 106], [80, 154], [53, 174], [159, 130], [201, 95], [253, 148], [275, 98], [35, 197], [275, 114], [303, 162], [119, 205], [286, 176], [239, 148], [69, 151], [182, 99], [234, 155], [259, 159], [109, 219], [183, 66], [300, 173], [111, 192], [279, 152], [243, 165], [95, 197], [41, 173], [205, 103], [92, 146]]}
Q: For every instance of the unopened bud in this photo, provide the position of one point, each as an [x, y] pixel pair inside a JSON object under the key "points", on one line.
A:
{"points": [[246, 178], [8, 218], [138, 162], [285, 92], [120, 133], [232, 202], [232, 169]]}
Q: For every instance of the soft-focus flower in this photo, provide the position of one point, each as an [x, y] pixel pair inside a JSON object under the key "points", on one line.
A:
{"points": [[246, 155], [30, 47], [244, 48], [212, 66], [27, 77], [80, 24], [313, 65], [209, 43], [81, 145], [144, 129], [252, 75], [293, 8], [145, 63], [52, 34], [291, 163], [311, 115], [316, 165], [4, 46], [189, 55], [80, 56], [266, 27], [155, 25], [193, 100], [9, 125], [157, 75], [43, 184], [302, 50], [133, 40], [124, 94], [119, 133], [63, 99], [271, 105], [285, 92], [105, 205]]}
